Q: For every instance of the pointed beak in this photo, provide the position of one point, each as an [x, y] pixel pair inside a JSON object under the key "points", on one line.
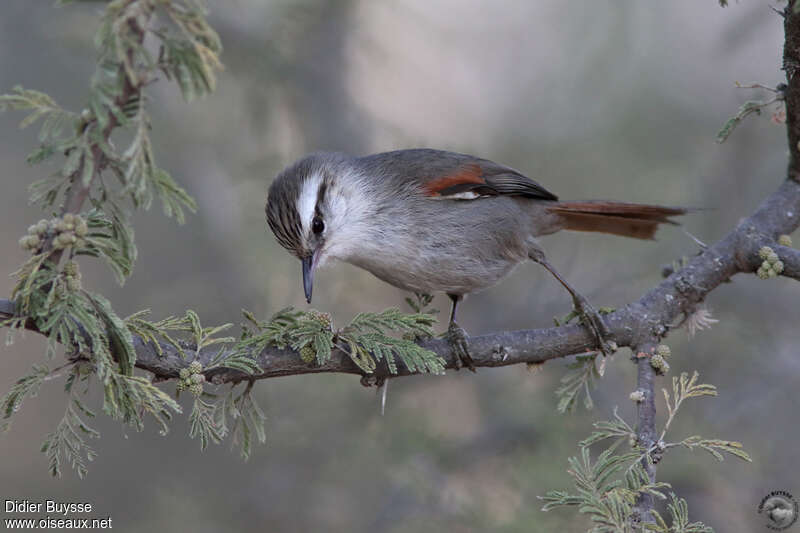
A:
{"points": [[309, 263]]}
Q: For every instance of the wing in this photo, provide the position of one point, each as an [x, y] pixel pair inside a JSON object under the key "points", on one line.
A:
{"points": [[448, 175]]}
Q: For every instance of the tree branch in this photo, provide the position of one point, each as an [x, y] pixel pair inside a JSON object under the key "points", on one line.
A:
{"points": [[646, 423], [78, 192], [791, 64], [647, 319]]}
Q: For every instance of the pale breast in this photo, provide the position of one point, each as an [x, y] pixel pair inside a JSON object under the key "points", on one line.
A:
{"points": [[462, 247]]}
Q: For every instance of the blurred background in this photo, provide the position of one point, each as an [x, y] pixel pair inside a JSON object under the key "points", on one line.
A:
{"points": [[617, 100]]}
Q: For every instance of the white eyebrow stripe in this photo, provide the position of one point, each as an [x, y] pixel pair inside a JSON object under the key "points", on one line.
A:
{"points": [[466, 195], [307, 202]]}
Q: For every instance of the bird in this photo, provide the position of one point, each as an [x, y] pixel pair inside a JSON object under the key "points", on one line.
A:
{"points": [[780, 511], [429, 221]]}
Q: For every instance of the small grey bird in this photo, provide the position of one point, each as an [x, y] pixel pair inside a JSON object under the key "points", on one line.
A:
{"points": [[429, 220]]}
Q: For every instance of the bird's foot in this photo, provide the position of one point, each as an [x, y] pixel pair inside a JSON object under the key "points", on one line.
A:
{"points": [[591, 318], [457, 338]]}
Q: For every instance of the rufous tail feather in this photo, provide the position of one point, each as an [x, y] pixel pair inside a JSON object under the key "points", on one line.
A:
{"points": [[639, 221]]}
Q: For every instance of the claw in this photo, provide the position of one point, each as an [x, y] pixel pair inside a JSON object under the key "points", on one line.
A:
{"points": [[457, 338], [592, 320]]}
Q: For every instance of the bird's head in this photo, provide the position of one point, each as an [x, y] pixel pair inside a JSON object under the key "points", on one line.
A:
{"points": [[315, 209]]}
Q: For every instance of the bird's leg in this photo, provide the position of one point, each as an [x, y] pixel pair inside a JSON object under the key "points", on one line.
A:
{"points": [[589, 315], [458, 337]]}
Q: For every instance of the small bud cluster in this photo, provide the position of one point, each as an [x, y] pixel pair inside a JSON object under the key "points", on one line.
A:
{"points": [[191, 379], [70, 230], [35, 237], [322, 318], [784, 240], [658, 363], [307, 353], [772, 265], [659, 359], [72, 276], [637, 396]]}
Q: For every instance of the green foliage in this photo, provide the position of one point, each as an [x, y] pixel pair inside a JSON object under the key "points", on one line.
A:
{"points": [[42, 107], [155, 332], [202, 424], [608, 488], [110, 237], [203, 337], [47, 293], [129, 398], [715, 446], [616, 429], [246, 416], [24, 387], [290, 328], [581, 377], [751, 106], [366, 339], [143, 180], [243, 362], [420, 303], [684, 388], [679, 514], [754, 106], [277, 331], [193, 59], [368, 342], [229, 414], [68, 441], [117, 333]]}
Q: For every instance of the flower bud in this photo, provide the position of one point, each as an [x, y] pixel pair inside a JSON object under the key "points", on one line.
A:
{"points": [[81, 228], [307, 353], [70, 268], [659, 364]]}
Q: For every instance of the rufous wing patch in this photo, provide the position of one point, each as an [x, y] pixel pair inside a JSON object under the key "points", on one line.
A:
{"points": [[463, 179]]}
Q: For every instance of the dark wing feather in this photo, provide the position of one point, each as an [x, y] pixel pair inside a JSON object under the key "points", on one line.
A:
{"points": [[504, 180]]}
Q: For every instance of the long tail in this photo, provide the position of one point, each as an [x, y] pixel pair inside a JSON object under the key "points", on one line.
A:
{"points": [[617, 218]]}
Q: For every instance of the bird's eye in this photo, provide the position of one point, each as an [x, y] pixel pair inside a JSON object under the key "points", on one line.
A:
{"points": [[317, 226]]}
